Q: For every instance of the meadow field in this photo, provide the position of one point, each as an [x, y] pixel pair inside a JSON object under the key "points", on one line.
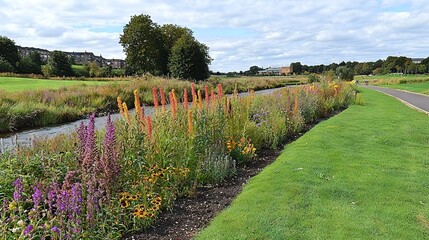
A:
{"points": [[14, 84]]}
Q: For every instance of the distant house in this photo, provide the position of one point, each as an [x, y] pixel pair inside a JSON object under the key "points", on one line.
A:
{"points": [[417, 60], [277, 71], [78, 57]]}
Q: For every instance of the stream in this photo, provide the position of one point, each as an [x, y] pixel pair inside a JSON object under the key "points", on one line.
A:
{"points": [[26, 137]]}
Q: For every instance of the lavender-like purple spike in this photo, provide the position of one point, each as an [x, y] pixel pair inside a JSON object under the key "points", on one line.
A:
{"points": [[91, 153], [37, 197], [17, 194]]}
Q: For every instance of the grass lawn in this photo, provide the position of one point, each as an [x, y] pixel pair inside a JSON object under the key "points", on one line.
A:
{"points": [[363, 174], [12, 84], [422, 87]]}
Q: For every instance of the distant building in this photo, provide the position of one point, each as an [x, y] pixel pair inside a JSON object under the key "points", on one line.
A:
{"points": [[417, 60], [277, 71], [78, 57]]}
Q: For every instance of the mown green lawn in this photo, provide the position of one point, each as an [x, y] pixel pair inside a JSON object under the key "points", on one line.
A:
{"points": [[363, 174], [422, 87], [12, 84]]}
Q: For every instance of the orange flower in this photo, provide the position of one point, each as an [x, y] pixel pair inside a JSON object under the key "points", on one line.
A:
{"points": [[190, 123], [219, 91], [121, 109], [126, 113], [137, 102], [185, 99], [200, 100]]}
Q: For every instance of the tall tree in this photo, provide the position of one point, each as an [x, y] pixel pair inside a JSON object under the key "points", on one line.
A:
{"points": [[189, 59], [59, 64], [296, 67], [9, 51], [144, 47], [344, 73]]}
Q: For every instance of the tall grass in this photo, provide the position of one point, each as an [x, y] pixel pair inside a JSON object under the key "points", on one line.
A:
{"points": [[116, 181], [38, 108]]}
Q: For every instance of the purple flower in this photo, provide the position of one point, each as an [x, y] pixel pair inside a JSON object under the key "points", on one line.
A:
{"points": [[76, 199], [28, 229], [52, 196], [55, 229], [18, 189], [37, 197]]}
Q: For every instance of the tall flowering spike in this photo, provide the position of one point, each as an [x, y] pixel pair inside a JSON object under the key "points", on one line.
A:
{"points": [[155, 98], [193, 89], [212, 95], [126, 113], [121, 110], [173, 105], [185, 99], [17, 194], [206, 92], [200, 100], [194, 95], [149, 127], [137, 102], [161, 92], [190, 127], [174, 96], [235, 91], [37, 197], [141, 114], [219, 91], [91, 152]]}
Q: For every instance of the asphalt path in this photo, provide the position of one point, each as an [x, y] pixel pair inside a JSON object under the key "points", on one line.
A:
{"points": [[415, 100]]}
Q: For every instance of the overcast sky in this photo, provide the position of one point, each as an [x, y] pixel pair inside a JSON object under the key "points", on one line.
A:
{"points": [[239, 33]]}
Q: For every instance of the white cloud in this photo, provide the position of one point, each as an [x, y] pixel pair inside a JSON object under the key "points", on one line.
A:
{"points": [[269, 32]]}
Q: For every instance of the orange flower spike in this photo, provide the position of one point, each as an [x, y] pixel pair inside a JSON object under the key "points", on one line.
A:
{"points": [[126, 113], [121, 109], [149, 127], [206, 91], [200, 100], [212, 96], [190, 127], [173, 105], [219, 91], [161, 92], [185, 99], [193, 90], [137, 102], [174, 97], [155, 98]]}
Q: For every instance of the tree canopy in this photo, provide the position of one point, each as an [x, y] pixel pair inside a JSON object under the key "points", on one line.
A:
{"points": [[9, 51], [163, 50], [59, 65]]}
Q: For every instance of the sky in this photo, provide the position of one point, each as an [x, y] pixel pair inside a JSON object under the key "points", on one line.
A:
{"points": [[239, 34]]}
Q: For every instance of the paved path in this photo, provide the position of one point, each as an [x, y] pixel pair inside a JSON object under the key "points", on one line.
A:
{"points": [[419, 101]]}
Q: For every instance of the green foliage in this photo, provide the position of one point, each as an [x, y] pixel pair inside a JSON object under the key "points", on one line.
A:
{"points": [[59, 65], [5, 66], [345, 73], [313, 78], [144, 46], [189, 59], [9, 51], [296, 67], [27, 65]]}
